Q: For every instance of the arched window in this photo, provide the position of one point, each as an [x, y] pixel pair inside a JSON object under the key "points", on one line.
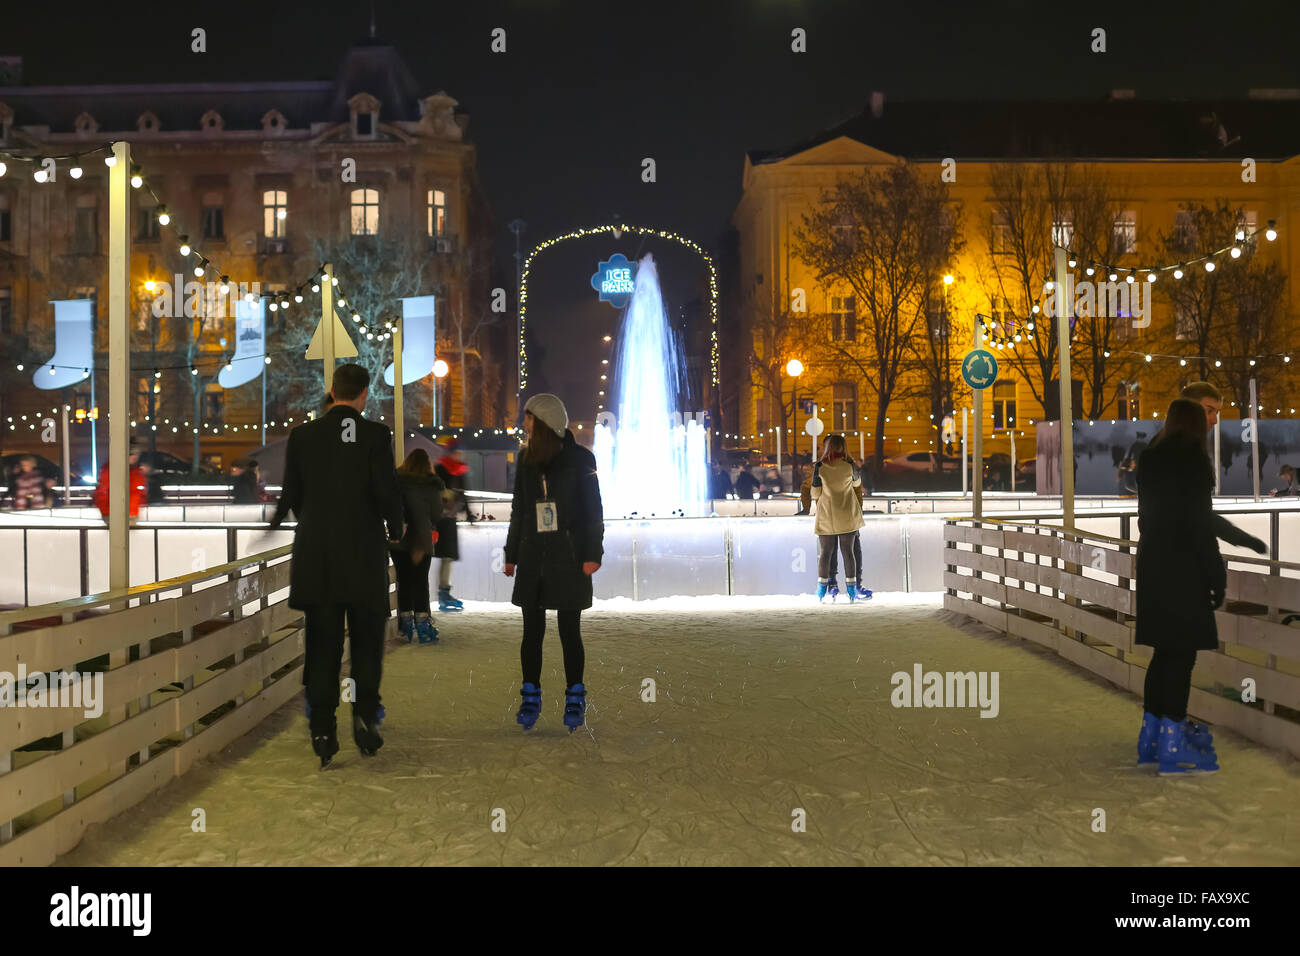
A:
{"points": [[365, 212]]}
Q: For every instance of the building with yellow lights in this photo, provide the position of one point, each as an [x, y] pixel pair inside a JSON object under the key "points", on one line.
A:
{"points": [[258, 176], [1152, 162]]}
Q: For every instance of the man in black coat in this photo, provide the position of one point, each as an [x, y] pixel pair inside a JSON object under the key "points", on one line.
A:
{"points": [[340, 482]]}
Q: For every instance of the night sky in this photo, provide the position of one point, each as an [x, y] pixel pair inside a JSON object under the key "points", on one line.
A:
{"points": [[586, 90]]}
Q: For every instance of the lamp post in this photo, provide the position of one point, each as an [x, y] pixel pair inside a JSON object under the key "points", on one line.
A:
{"points": [[440, 370], [793, 368]]}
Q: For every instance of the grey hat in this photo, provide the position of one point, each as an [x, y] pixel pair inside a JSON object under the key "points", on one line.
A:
{"points": [[549, 410]]}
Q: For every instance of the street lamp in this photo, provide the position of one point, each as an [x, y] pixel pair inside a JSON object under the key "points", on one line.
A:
{"points": [[440, 370], [794, 368]]}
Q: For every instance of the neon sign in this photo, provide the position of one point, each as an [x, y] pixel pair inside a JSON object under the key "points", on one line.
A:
{"points": [[614, 280]]}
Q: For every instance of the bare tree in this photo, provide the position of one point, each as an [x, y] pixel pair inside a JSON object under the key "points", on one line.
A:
{"points": [[777, 335], [885, 235]]}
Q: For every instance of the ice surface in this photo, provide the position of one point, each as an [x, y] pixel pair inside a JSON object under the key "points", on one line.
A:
{"points": [[764, 705]]}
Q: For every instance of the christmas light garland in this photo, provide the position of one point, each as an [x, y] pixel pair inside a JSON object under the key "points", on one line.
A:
{"points": [[618, 231]]}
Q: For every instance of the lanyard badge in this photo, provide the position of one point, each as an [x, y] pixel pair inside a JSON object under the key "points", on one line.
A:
{"points": [[547, 519]]}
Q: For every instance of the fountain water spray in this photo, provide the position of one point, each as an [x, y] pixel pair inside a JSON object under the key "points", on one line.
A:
{"points": [[654, 457]]}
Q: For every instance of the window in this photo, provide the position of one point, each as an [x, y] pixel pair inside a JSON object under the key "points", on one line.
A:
{"points": [[844, 318], [1001, 235], [143, 390], [6, 224], [1185, 230], [213, 216], [437, 212], [844, 407], [214, 405], [213, 307], [1128, 398], [1062, 232], [275, 213], [1004, 404], [365, 212], [6, 312], [1004, 320], [844, 231], [1185, 325], [1126, 232], [365, 124], [936, 313], [85, 237], [1248, 222], [146, 223]]}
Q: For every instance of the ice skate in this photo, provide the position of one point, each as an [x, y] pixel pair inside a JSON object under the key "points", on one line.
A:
{"points": [[406, 626], [821, 592], [531, 706], [575, 706], [448, 603], [1148, 738], [833, 590], [1198, 735], [325, 746], [380, 714], [425, 630], [366, 735], [852, 590], [1176, 756]]}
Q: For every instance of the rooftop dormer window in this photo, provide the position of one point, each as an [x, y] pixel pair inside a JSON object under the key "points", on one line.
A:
{"points": [[212, 122], [85, 124], [147, 122], [365, 116], [274, 122]]}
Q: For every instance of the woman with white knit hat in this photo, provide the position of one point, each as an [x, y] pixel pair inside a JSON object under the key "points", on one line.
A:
{"points": [[554, 546]]}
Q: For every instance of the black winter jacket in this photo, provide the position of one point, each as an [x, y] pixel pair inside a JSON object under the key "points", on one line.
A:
{"points": [[1178, 560], [422, 504], [548, 565]]}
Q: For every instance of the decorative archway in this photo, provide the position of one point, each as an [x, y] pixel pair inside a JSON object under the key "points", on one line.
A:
{"points": [[618, 233]]}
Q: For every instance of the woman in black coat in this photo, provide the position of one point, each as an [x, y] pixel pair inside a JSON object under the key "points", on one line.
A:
{"points": [[554, 546], [1181, 580], [451, 471], [422, 503]]}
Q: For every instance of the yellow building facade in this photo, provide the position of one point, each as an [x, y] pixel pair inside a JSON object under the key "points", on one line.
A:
{"points": [[780, 190]]}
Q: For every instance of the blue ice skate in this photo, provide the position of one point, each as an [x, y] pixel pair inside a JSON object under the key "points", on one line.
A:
{"points": [[1176, 756], [406, 626], [1198, 735], [448, 603], [575, 706], [1148, 738], [424, 629], [821, 591], [531, 706], [833, 590]]}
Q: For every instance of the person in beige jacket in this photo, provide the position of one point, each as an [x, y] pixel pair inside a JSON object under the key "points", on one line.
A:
{"points": [[839, 513]]}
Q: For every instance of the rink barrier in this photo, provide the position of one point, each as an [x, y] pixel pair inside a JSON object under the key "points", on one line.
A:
{"points": [[1074, 593], [226, 635]]}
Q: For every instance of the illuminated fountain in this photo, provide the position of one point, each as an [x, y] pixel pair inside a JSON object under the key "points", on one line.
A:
{"points": [[651, 458]]}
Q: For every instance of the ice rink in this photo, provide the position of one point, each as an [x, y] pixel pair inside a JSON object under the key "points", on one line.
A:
{"points": [[764, 707]]}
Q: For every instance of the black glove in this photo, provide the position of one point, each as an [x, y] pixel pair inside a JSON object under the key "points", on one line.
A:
{"points": [[817, 475], [1216, 596], [1256, 545]]}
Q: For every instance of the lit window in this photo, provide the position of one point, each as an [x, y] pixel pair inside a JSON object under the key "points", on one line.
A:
{"points": [[437, 212], [1004, 404], [1126, 232], [844, 318], [365, 212], [275, 213]]}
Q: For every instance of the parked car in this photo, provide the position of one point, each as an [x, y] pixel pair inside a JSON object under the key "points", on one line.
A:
{"points": [[9, 464]]}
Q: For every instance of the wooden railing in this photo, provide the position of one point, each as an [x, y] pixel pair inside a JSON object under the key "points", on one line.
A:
{"points": [[1074, 592], [188, 665]]}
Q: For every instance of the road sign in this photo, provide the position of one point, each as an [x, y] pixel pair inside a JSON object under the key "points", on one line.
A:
{"points": [[814, 426], [979, 369], [807, 405]]}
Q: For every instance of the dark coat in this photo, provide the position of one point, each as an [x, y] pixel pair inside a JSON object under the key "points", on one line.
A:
{"points": [[548, 565], [453, 502], [422, 504], [746, 484], [245, 490], [1178, 560], [342, 493]]}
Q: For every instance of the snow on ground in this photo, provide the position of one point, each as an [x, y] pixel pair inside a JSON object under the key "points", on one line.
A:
{"points": [[765, 706]]}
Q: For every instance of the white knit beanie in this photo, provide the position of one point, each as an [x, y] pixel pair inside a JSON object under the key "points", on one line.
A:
{"points": [[549, 410]]}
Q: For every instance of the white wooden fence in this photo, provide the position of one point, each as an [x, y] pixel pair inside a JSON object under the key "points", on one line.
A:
{"points": [[188, 664], [1074, 592]]}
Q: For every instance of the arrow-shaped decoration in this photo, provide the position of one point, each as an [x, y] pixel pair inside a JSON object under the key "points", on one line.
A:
{"points": [[344, 347]]}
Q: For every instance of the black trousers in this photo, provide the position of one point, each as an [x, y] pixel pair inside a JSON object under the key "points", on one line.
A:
{"points": [[857, 559], [321, 674], [1169, 683], [412, 582], [530, 651]]}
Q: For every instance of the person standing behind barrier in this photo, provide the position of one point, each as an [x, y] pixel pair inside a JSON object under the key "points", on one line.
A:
{"points": [[1211, 400], [138, 481], [422, 500], [340, 483], [839, 513], [556, 543], [451, 471], [31, 489], [1181, 580]]}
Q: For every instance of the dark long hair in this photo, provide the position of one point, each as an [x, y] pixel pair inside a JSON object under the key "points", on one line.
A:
{"points": [[835, 448], [544, 445], [1186, 423], [417, 463]]}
